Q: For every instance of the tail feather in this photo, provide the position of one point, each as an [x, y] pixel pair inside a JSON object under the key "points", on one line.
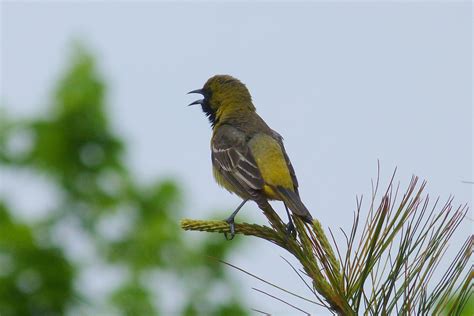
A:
{"points": [[294, 203]]}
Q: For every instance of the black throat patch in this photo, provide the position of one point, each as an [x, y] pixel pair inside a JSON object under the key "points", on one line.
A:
{"points": [[210, 113]]}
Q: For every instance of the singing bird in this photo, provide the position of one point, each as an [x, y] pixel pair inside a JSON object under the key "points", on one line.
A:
{"points": [[248, 157]]}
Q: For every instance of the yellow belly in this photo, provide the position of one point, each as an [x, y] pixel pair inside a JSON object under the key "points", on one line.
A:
{"points": [[270, 193], [271, 162]]}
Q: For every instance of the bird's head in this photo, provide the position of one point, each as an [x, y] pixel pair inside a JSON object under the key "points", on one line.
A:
{"points": [[223, 94]]}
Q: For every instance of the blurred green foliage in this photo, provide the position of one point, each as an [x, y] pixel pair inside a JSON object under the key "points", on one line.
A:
{"points": [[73, 146], [34, 280]]}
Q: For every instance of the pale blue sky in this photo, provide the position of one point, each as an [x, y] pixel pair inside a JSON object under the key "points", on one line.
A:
{"points": [[345, 83]]}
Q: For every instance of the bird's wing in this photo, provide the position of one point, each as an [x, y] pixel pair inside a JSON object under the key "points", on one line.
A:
{"points": [[232, 157], [279, 138]]}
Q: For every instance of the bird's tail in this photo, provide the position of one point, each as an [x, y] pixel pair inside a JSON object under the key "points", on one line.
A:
{"points": [[294, 203]]}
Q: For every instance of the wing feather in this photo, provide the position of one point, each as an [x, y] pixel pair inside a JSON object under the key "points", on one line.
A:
{"points": [[233, 159]]}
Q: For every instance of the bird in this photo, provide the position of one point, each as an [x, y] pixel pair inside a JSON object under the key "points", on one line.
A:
{"points": [[248, 157]]}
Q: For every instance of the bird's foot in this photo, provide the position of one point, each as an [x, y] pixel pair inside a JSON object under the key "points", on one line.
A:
{"points": [[290, 230], [231, 223]]}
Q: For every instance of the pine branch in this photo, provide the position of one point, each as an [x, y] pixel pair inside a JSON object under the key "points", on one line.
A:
{"points": [[386, 267]]}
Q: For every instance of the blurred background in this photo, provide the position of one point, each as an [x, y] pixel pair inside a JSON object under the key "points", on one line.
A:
{"points": [[100, 157]]}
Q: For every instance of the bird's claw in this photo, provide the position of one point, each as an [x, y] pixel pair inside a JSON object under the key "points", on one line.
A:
{"points": [[231, 223], [290, 230]]}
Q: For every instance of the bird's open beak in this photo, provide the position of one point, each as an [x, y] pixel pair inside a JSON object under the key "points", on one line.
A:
{"points": [[197, 91], [200, 91], [196, 102]]}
